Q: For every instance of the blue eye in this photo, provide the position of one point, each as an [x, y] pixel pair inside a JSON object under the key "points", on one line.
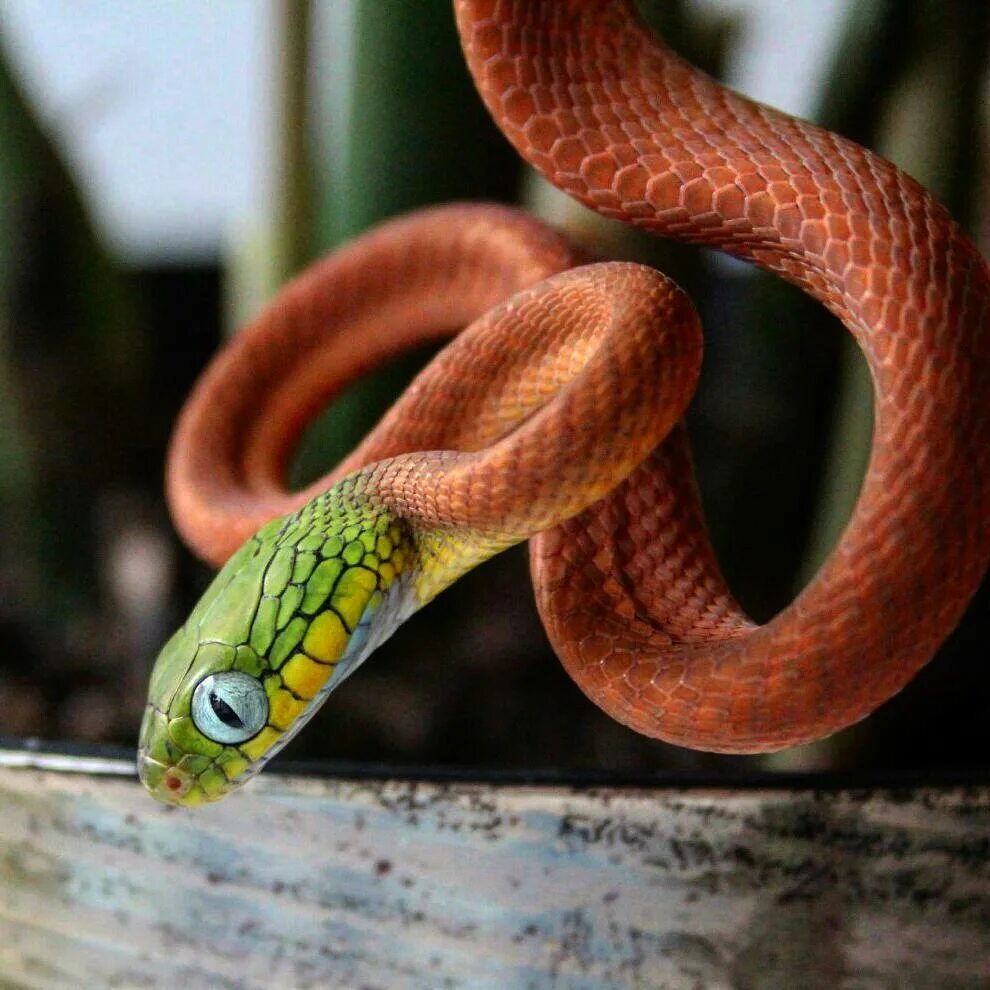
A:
{"points": [[229, 707]]}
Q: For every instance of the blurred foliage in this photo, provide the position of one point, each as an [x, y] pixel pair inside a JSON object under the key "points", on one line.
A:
{"points": [[69, 356], [88, 391]]}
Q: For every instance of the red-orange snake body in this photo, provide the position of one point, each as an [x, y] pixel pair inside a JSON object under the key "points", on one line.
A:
{"points": [[554, 402]]}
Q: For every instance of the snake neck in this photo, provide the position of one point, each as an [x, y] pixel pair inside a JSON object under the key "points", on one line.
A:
{"points": [[433, 545]]}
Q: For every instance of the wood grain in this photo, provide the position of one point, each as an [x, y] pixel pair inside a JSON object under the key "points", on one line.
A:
{"points": [[367, 883]]}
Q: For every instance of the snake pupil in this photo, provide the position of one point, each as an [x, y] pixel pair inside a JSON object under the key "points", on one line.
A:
{"points": [[224, 712]]}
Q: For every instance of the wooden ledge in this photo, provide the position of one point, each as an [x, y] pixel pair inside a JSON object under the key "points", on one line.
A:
{"points": [[385, 883]]}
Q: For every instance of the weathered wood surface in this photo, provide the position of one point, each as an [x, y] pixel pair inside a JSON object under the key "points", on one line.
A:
{"points": [[400, 884]]}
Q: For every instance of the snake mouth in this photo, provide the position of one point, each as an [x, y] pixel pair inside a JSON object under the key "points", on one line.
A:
{"points": [[176, 785], [170, 785]]}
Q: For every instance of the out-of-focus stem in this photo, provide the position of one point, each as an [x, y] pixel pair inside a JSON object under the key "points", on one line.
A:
{"points": [[294, 205], [279, 238]]}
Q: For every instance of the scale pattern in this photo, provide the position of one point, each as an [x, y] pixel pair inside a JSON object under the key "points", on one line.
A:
{"points": [[545, 415], [629, 591]]}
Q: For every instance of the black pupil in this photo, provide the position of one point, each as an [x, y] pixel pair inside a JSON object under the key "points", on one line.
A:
{"points": [[224, 712]]}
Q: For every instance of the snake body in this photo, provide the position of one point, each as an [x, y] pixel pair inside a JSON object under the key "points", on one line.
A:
{"points": [[555, 416]]}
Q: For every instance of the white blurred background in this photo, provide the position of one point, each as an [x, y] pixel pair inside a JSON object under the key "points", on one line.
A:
{"points": [[163, 110]]}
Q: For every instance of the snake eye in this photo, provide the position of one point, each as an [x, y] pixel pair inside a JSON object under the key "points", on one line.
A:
{"points": [[229, 707]]}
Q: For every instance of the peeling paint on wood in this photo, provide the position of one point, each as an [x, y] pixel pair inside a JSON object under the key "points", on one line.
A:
{"points": [[374, 884]]}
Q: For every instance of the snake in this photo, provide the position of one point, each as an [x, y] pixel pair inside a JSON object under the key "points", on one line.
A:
{"points": [[554, 414]]}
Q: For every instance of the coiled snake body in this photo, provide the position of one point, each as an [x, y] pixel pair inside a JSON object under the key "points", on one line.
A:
{"points": [[554, 417]]}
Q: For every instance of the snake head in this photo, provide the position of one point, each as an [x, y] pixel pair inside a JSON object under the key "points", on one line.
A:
{"points": [[289, 616]]}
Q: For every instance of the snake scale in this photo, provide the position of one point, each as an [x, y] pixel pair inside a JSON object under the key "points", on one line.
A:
{"points": [[555, 417]]}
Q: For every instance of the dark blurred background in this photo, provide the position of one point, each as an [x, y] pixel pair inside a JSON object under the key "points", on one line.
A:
{"points": [[163, 169]]}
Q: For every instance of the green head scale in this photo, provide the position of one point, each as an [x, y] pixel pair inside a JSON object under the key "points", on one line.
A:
{"points": [[286, 620]]}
